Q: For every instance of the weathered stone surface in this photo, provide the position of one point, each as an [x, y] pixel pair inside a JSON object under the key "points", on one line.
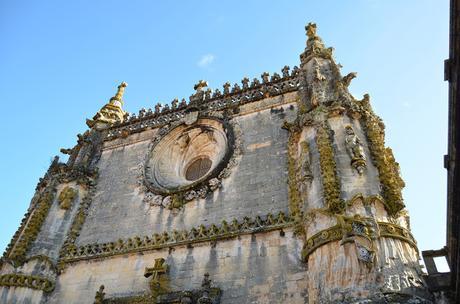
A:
{"points": [[293, 198]]}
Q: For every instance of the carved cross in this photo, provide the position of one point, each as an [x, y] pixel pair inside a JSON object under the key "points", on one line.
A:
{"points": [[158, 269], [159, 283]]}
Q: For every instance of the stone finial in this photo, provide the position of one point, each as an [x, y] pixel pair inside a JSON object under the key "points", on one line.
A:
{"points": [[236, 88], [111, 113], [174, 103], [182, 103], [226, 88], [207, 94], [157, 108], [200, 85], [285, 71], [310, 29], [216, 93], [121, 90], [199, 95], [245, 83], [315, 46], [265, 77]]}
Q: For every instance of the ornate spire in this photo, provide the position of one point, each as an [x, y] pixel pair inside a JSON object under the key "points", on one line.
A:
{"points": [[315, 45], [120, 92], [111, 112]]}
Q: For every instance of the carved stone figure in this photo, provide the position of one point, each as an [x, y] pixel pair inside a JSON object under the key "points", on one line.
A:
{"points": [[355, 150], [304, 172], [66, 197]]}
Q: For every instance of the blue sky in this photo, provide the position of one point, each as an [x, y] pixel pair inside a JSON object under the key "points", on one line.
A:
{"points": [[60, 61]]}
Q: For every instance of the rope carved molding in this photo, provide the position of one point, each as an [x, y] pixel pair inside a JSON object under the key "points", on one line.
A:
{"points": [[356, 227]]}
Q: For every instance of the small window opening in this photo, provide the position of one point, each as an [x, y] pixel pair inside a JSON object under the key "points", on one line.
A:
{"points": [[198, 168]]}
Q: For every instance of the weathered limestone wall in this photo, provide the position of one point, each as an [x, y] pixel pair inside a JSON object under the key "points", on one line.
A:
{"points": [[258, 268], [257, 186], [20, 295], [56, 225]]}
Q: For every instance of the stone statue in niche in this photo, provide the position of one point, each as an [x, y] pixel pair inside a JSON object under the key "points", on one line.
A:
{"points": [[355, 150], [304, 172], [66, 197]]}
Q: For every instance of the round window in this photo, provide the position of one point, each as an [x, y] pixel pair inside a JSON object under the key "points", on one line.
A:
{"points": [[198, 168], [186, 156]]}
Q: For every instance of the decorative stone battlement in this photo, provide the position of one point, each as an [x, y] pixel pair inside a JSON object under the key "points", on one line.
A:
{"points": [[208, 101]]}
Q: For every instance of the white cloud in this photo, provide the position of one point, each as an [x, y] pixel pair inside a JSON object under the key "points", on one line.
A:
{"points": [[206, 60]]}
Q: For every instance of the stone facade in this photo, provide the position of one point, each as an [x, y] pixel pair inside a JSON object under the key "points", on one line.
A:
{"points": [[278, 190]]}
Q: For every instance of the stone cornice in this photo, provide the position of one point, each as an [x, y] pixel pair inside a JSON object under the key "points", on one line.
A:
{"points": [[26, 281], [175, 238]]}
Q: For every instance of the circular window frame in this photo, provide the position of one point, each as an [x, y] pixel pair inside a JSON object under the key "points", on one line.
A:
{"points": [[203, 181]]}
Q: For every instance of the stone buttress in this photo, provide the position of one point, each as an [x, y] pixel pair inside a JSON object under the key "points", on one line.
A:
{"points": [[275, 190]]}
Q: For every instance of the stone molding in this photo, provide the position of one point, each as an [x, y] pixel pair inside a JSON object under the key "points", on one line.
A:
{"points": [[26, 281], [199, 234], [336, 233]]}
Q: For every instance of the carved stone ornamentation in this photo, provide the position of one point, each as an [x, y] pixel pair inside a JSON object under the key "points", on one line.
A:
{"points": [[111, 113], [158, 283], [214, 232], [205, 148], [355, 150], [26, 281], [67, 197], [100, 294]]}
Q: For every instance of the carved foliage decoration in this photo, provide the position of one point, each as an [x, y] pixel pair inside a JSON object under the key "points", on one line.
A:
{"points": [[27, 281], [330, 180], [299, 172], [33, 226], [383, 158], [294, 191], [66, 197]]}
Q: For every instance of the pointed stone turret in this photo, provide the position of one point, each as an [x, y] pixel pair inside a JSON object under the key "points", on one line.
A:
{"points": [[345, 191], [111, 112]]}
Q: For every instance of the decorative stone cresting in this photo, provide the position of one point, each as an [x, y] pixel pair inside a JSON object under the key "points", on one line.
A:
{"points": [[166, 239], [27, 281], [209, 101]]}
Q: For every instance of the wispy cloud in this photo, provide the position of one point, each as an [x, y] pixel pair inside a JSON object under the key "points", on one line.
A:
{"points": [[206, 60]]}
